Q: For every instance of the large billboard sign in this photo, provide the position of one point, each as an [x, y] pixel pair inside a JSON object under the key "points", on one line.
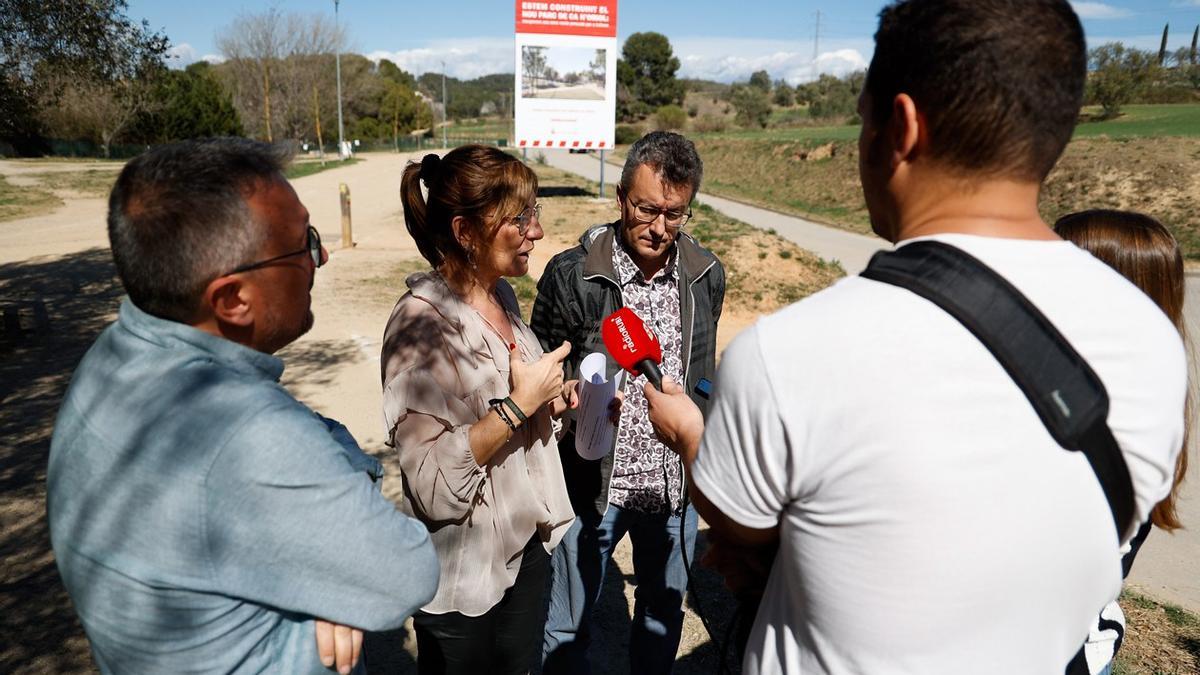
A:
{"points": [[566, 83]]}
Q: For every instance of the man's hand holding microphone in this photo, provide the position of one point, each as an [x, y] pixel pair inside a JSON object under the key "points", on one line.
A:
{"points": [[676, 419]]}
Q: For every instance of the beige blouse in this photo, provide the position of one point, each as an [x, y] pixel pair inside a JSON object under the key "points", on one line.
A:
{"points": [[441, 364]]}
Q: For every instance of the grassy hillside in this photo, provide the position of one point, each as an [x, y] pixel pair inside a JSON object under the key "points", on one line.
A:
{"points": [[1147, 160]]}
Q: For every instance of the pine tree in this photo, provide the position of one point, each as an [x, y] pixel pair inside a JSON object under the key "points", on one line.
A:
{"points": [[1162, 49]]}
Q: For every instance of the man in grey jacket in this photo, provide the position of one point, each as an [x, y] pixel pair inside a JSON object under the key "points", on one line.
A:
{"points": [[202, 518], [645, 261]]}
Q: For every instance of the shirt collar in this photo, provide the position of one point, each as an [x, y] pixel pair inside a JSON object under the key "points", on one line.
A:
{"points": [[172, 334], [628, 272]]}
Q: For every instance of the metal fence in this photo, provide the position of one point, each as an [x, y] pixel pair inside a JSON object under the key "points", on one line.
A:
{"points": [[408, 144], [83, 148]]}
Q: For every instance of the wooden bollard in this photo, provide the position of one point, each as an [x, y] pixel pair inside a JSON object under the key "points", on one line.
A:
{"points": [[347, 235]]}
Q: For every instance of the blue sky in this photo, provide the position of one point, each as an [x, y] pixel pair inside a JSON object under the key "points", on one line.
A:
{"points": [[723, 40]]}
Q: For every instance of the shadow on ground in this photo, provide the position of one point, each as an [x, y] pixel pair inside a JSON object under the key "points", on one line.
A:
{"points": [[564, 191], [313, 362], [53, 309], [609, 652]]}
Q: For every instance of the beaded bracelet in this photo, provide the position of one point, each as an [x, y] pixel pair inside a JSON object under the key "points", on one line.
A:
{"points": [[497, 405]]}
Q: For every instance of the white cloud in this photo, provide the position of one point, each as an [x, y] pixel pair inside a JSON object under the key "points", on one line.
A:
{"points": [[213, 58], [734, 59], [1099, 10], [181, 55], [721, 59], [465, 58]]}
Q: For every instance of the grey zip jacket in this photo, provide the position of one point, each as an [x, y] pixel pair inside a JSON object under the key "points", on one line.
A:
{"points": [[579, 289]]}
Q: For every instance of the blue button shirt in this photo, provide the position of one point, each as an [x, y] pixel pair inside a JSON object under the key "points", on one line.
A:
{"points": [[201, 516]]}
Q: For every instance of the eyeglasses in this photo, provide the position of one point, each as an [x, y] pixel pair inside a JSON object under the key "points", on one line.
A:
{"points": [[646, 214], [312, 248], [524, 218]]}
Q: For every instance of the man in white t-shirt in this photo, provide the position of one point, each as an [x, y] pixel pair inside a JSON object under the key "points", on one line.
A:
{"points": [[925, 520]]}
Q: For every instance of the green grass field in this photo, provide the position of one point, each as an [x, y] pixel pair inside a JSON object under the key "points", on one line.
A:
{"points": [[1145, 121], [1135, 121], [786, 134], [481, 129]]}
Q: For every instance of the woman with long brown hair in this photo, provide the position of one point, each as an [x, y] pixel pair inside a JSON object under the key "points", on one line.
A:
{"points": [[1146, 253], [470, 400]]}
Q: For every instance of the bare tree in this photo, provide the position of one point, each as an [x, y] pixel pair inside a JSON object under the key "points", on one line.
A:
{"points": [[533, 65], [307, 65], [100, 110], [274, 61]]}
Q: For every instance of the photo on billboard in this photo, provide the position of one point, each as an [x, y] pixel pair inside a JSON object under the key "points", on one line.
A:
{"points": [[563, 72]]}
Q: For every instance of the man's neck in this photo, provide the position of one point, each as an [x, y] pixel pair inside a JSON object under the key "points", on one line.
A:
{"points": [[649, 266], [243, 335], [1001, 208]]}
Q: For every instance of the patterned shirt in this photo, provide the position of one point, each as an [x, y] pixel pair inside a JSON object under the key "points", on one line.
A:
{"points": [[647, 477]]}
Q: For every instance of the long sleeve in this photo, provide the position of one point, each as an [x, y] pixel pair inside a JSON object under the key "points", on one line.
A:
{"points": [[550, 318], [292, 524], [428, 413], [430, 430]]}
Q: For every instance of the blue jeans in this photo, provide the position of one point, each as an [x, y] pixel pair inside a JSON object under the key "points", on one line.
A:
{"points": [[577, 569]]}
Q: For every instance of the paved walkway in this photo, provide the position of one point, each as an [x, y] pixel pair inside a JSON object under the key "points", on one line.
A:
{"points": [[850, 249], [1166, 567]]}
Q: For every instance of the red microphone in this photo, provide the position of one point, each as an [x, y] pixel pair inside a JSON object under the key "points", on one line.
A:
{"points": [[632, 345]]}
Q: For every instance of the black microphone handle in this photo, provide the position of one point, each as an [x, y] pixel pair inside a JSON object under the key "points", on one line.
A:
{"points": [[650, 369]]}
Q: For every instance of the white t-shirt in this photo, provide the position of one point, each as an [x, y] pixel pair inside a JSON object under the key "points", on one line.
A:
{"points": [[928, 521]]}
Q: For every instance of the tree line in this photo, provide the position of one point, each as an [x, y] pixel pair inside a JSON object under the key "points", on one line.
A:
{"points": [[86, 72], [648, 89], [1119, 75]]}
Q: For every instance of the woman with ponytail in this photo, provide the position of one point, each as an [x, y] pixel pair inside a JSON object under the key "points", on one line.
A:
{"points": [[1145, 252], [471, 402]]}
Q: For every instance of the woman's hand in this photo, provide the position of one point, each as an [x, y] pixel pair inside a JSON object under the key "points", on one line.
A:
{"points": [[569, 400], [614, 407], [535, 384]]}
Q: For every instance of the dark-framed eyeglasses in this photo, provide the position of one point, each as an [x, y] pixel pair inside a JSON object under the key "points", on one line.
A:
{"points": [[525, 217], [646, 214], [312, 247]]}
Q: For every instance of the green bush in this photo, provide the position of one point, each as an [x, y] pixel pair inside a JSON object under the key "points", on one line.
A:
{"points": [[670, 117], [626, 134], [753, 106]]}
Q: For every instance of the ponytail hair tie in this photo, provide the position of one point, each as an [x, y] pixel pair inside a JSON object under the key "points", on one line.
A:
{"points": [[429, 167]]}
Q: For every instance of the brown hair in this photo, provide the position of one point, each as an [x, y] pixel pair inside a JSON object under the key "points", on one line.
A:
{"points": [[481, 183], [1145, 252]]}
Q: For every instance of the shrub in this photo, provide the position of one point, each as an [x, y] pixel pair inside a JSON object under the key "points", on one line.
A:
{"points": [[626, 134], [753, 106], [709, 122], [670, 117]]}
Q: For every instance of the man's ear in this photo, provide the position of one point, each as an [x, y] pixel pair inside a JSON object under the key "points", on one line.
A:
{"points": [[906, 127], [620, 196], [228, 301]]}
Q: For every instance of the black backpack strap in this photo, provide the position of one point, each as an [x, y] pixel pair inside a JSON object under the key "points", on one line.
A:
{"points": [[1063, 389]]}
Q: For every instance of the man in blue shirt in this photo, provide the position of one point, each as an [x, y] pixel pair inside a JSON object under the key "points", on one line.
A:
{"points": [[203, 520]]}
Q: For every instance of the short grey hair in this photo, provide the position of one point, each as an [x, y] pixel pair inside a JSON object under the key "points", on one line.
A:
{"points": [[178, 218], [670, 155]]}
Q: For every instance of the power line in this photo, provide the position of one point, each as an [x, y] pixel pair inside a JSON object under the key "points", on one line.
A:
{"points": [[817, 39]]}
